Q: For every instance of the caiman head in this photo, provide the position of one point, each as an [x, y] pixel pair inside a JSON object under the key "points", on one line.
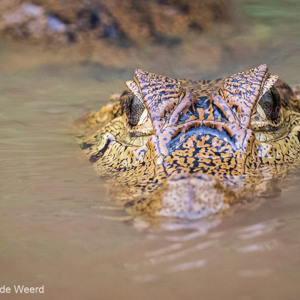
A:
{"points": [[163, 130]]}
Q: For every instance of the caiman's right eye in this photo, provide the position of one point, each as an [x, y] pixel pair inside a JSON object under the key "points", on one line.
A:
{"points": [[134, 109], [137, 120], [135, 115]]}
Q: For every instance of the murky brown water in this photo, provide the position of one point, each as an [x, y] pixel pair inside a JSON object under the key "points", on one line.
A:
{"points": [[58, 228]]}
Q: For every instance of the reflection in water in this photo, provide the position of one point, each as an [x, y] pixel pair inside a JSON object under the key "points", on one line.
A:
{"points": [[178, 254], [258, 229], [266, 246], [187, 266], [201, 244], [175, 257]]}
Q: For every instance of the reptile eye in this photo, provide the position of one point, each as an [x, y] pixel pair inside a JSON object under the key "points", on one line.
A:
{"points": [[268, 114], [270, 105], [134, 109]]}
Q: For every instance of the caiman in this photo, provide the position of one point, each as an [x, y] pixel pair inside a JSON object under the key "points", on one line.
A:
{"points": [[191, 148]]}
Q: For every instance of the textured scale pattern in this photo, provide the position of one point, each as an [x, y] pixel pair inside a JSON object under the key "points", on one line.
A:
{"points": [[196, 140]]}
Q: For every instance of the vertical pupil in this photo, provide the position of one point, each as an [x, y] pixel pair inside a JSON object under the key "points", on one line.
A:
{"points": [[134, 109], [270, 103]]}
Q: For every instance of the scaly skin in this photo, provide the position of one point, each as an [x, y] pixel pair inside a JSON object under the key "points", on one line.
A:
{"points": [[198, 146]]}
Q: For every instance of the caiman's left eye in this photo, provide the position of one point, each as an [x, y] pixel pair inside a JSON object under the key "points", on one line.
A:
{"points": [[270, 105], [267, 115]]}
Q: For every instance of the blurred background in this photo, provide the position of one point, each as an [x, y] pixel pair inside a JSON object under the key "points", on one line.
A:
{"points": [[179, 37], [58, 227]]}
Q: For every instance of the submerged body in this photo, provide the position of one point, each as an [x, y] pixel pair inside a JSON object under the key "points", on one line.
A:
{"points": [[190, 148]]}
